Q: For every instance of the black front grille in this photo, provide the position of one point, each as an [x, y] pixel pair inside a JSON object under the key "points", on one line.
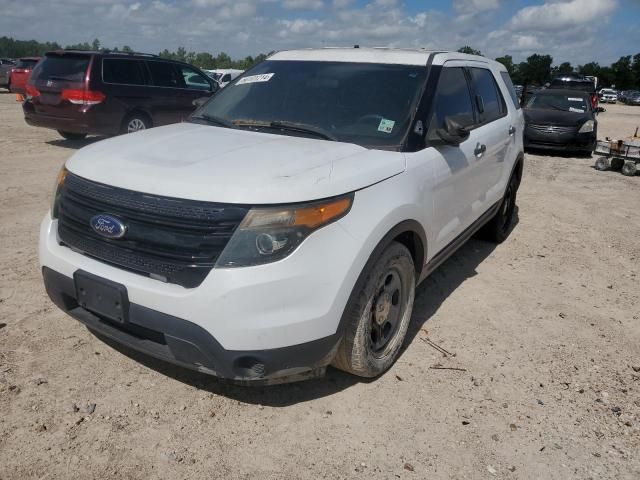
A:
{"points": [[170, 239], [546, 128]]}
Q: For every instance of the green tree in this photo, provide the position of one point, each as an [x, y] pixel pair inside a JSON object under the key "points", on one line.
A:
{"points": [[623, 73], [507, 61], [537, 69], [95, 45], [127, 49], [469, 50]]}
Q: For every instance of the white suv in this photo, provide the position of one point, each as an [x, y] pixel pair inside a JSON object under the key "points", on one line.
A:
{"points": [[286, 225]]}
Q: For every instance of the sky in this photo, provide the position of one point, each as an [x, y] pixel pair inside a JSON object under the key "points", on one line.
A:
{"points": [[577, 31]]}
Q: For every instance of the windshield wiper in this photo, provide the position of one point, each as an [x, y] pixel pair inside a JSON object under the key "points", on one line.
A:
{"points": [[559, 108], [287, 126], [213, 120]]}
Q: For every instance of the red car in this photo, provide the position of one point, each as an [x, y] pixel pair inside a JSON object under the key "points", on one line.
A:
{"points": [[20, 74]]}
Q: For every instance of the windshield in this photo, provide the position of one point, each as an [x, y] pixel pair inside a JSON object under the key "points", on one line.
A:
{"points": [[556, 101], [363, 103]]}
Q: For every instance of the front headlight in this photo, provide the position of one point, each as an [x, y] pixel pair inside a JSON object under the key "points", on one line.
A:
{"points": [[270, 234], [55, 200], [587, 127]]}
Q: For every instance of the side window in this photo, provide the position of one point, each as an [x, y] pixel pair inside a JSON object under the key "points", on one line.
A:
{"points": [[488, 97], [512, 91], [128, 72], [226, 78], [193, 80], [452, 103], [165, 74]]}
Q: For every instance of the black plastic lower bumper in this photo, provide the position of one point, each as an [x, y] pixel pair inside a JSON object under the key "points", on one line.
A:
{"points": [[584, 142], [184, 343]]}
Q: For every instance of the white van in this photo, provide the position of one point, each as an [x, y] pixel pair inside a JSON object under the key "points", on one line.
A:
{"points": [[224, 76]]}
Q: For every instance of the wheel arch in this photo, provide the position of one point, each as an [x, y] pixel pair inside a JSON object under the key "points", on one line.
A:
{"points": [[518, 167], [134, 111]]}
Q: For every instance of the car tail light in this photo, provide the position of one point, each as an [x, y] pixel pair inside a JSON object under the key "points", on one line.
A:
{"points": [[83, 97], [32, 91]]}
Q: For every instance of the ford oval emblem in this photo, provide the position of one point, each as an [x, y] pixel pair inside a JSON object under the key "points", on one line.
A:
{"points": [[108, 226]]}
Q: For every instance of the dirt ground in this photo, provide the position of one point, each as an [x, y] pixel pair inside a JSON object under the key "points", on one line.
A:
{"points": [[546, 328]]}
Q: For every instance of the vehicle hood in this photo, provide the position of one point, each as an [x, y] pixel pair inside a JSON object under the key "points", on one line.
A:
{"points": [[555, 117], [202, 162]]}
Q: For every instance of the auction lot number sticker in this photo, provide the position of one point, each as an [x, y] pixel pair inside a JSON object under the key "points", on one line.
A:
{"points": [[265, 77]]}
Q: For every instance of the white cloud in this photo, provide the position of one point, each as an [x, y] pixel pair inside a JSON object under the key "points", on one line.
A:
{"points": [[303, 4], [557, 15]]}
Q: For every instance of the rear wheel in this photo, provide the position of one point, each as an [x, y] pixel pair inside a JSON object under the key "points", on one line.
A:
{"points": [[72, 136], [498, 228], [378, 315], [136, 122], [617, 163]]}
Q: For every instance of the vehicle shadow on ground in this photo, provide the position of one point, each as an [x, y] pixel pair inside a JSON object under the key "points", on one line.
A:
{"points": [[74, 144], [429, 297]]}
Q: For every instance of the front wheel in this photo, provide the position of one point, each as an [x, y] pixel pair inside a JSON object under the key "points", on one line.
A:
{"points": [[629, 168], [377, 315], [71, 135]]}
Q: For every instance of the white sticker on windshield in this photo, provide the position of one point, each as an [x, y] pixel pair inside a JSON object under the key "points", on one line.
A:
{"points": [[576, 110], [573, 99], [265, 77], [386, 126]]}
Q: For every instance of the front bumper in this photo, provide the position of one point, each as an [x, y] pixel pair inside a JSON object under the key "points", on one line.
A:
{"points": [[184, 343], [560, 141]]}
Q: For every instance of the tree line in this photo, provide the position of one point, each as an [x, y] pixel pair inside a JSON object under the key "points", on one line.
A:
{"points": [[11, 48], [539, 69]]}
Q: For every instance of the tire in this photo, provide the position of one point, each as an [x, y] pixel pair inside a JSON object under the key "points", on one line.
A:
{"points": [[629, 169], [602, 164], [136, 122], [72, 136], [617, 163], [499, 227], [378, 314]]}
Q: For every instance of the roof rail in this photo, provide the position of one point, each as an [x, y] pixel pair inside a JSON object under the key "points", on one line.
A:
{"points": [[110, 52], [120, 52]]}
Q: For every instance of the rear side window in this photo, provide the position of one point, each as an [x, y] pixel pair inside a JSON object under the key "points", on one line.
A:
{"points": [[165, 74], [512, 91], [72, 68], [193, 80], [488, 98], [123, 71], [452, 103]]}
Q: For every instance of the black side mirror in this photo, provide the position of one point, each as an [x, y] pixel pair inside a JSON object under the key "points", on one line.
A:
{"points": [[453, 133], [198, 102]]}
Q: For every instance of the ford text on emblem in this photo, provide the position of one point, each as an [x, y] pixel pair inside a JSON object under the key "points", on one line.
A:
{"points": [[49, 83], [108, 226]]}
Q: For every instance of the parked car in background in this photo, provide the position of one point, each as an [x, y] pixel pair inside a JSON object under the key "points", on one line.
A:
{"points": [[577, 82], [20, 74], [79, 92], [286, 226], [224, 76], [560, 120], [633, 98], [608, 95], [627, 94], [6, 65]]}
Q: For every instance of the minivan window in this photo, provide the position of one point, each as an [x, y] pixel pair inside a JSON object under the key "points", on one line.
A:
{"points": [[67, 67], [452, 102], [485, 86], [368, 104], [506, 78], [164, 74], [123, 71]]}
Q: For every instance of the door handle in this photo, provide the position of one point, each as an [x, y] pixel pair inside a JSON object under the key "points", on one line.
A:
{"points": [[512, 131], [480, 149]]}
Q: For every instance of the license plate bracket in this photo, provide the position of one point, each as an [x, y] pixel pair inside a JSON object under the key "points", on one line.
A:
{"points": [[101, 296]]}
